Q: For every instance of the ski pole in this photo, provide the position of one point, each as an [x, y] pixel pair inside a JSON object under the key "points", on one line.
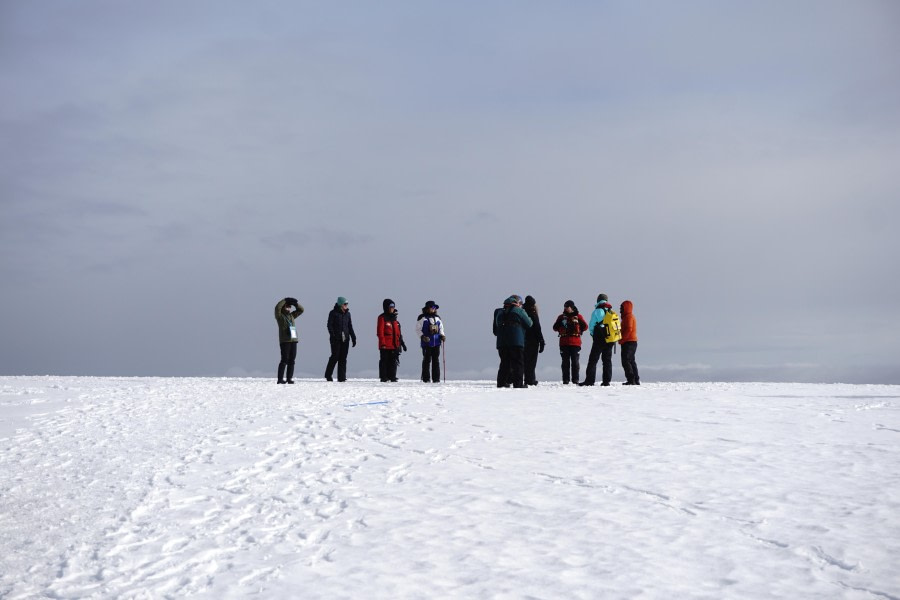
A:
{"points": [[444, 355]]}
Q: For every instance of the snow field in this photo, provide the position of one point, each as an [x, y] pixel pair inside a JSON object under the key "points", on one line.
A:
{"points": [[235, 488]]}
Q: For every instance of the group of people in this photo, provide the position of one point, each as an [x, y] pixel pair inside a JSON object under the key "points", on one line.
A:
{"points": [[429, 327], [516, 325], [520, 339]]}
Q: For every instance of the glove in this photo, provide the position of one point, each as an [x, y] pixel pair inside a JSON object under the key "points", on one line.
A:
{"points": [[443, 339], [425, 338], [291, 301], [353, 342], [541, 349], [403, 345]]}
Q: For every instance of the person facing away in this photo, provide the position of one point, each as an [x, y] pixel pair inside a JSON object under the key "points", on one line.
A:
{"points": [[629, 343], [285, 311], [600, 348], [534, 340], [390, 341], [570, 325], [510, 324], [430, 328], [340, 335]]}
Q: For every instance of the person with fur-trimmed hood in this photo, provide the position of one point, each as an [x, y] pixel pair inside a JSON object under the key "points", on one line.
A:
{"points": [[629, 344], [430, 328], [390, 341], [600, 348], [534, 340], [570, 325]]}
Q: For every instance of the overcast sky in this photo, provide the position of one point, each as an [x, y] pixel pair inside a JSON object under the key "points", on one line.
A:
{"points": [[170, 170]]}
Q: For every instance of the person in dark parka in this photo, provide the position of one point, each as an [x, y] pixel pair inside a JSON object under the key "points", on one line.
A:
{"points": [[285, 312], [341, 335], [534, 340], [510, 324]]}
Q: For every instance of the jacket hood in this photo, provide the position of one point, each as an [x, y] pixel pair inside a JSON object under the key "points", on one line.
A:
{"points": [[627, 307], [603, 304]]}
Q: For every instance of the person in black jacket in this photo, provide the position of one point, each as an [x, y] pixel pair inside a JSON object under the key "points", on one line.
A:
{"points": [[340, 334], [534, 341]]}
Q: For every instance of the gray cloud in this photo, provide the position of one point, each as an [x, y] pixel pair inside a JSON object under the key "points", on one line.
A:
{"points": [[731, 168]]}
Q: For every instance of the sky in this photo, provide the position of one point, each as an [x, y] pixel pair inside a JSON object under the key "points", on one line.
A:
{"points": [[170, 170]]}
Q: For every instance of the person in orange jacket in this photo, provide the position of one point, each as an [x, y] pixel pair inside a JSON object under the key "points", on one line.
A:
{"points": [[629, 343]]}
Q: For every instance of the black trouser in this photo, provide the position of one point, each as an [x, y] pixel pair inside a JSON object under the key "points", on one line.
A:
{"points": [[338, 357], [629, 364], [387, 364], [570, 358], [512, 367], [431, 364], [531, 355], [601, 349], [288, 356]]}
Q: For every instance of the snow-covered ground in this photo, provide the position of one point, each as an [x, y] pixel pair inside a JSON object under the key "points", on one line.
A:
{"points": [[234, 488]]}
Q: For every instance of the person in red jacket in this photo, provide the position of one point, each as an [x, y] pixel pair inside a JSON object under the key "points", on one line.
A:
{"points": [[629, 343], [570, 325], [390, 341]]}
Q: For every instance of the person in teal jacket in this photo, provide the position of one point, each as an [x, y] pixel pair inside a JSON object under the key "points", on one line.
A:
{"points": [[285, 311], [510, 324], [600, 348]]}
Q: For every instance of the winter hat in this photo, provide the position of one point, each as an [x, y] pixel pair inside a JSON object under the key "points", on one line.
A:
{"points": [[388, 303], [511, 300], [602, 298], [341, 301], [431, 304], [530, 301], [571, 304]]}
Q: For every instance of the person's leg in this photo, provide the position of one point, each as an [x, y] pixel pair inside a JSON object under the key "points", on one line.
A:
{"points": [[627, 360], [436, 364], [517, 366], [283, 364], [634, 367], [531, 356], [342, 360], [590, 375], [503, 378], [426, 366], [291, 359], [606, 354], [393, 360], [333, 359], [566, 359]]}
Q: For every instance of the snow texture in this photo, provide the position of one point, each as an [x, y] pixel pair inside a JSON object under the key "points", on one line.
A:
{"points": [[237, 488]]}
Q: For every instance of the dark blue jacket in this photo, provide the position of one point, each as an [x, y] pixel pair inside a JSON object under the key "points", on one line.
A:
{"points": [[340, 325], [510, 324]]}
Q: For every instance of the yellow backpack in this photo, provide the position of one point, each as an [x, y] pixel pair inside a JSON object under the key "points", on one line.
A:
{"points": [[612, 326]]}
